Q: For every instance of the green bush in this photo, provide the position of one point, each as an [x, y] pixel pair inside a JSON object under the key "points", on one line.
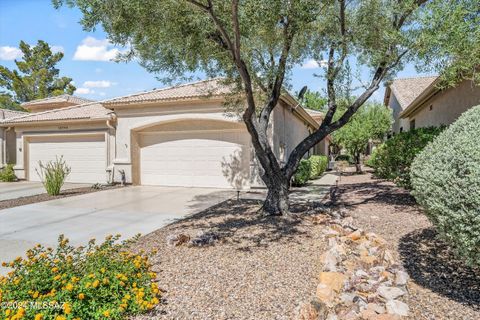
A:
{"points": [[394, 157], [344, 157], [94, 282], [446, 182], [303, 173], [7, 174], [53, 175], [373, 157], [318, 165]]}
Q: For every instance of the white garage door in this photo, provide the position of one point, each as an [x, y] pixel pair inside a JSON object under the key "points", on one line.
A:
{"points": [[217, 159], [85, 155]]}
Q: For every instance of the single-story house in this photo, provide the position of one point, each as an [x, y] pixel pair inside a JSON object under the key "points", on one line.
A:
{"points": [[176, 136], [418, 102]]}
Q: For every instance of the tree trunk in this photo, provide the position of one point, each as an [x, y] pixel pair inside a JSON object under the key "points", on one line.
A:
{"points": [[277, 202], [358, 164]]}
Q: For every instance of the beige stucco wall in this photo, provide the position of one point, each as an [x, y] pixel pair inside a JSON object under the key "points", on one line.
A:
{"points": [[23, 132], [396, 110], [447, 105]]}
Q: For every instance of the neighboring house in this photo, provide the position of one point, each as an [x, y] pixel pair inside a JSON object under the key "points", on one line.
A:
{"points": [[7, 149], [418, 102], [177, 136], [323, 147]]}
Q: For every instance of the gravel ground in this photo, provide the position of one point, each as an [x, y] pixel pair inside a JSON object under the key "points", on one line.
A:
{"points": [[442, 287], [261, 268], [10, 203]]}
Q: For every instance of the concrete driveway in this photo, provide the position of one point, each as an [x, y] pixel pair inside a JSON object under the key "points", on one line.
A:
{"points": [[127, 211], [12, 190]]}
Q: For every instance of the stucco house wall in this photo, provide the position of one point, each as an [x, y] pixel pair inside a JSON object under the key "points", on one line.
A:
{"points": [[399, 124], [446, 106]]}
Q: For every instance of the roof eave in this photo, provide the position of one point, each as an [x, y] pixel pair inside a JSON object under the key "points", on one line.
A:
{"points": [[55, 121], [418, 102]]}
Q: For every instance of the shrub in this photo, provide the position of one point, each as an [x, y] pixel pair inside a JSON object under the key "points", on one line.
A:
{"points": [[372, 160], [344, 157], [7, 174], [318, 165], [93, 282], [394, 157], [446, 182], [53, 175], [303, 173]]}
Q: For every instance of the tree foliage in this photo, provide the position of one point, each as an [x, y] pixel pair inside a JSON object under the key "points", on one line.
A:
{"points": [[255, 44], [372, 121], [36, 77]]}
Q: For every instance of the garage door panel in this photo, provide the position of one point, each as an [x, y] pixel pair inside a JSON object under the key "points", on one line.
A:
{"points": [[85, 155], [201, 159]]}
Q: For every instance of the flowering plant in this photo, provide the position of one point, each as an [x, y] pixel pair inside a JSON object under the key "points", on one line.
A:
{"points": [[102, 281]]}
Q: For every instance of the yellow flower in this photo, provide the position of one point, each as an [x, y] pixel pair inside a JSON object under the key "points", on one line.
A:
{"points": [[7, 313], [81, 296], [69, 287], [95, 283], [106, 314], [102, 270], [60, 318], [67, 308], [35, 295], [57, 277], [39, 316], [54, 269]]}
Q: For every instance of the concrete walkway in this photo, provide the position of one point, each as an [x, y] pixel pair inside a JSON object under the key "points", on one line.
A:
{"points": [[315, 191], [126, 211], [13, 190]]}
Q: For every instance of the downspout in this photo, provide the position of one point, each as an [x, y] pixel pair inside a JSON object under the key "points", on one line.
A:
{"points": [[110, 125]]}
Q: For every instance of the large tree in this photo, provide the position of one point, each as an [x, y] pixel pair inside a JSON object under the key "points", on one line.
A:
{"points": [[371, 121], [255, 44], [36, 77]]}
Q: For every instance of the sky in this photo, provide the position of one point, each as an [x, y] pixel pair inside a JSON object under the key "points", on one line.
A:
{"points": [[88, 54]]}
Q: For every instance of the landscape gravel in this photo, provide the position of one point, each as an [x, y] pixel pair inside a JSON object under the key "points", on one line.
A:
{"points": [[442, 287]]}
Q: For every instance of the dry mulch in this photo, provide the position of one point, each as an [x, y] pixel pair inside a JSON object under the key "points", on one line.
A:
{"points": [[261, 268], [11, 203], [442, 287]]}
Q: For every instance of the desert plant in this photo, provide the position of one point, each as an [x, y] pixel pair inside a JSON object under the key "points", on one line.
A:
{"points": [[53, 175], [446, 182], [7, 174], [303, 173], [93, 282], [393, 158], [318, 165]]}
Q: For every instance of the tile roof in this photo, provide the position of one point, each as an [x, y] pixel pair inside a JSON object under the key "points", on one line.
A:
{"points": [[407, 89], [64, 98], [7, 114], [205, 88], [89, 111]]}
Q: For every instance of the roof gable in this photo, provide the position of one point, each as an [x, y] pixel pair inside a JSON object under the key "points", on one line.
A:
{"points": [[406, 90]]}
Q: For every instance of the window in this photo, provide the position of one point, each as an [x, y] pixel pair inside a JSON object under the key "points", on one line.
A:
{"points": [[412, 124]]}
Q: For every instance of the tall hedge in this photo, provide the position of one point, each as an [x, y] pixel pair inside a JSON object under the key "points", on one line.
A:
{"points": [[393, 158], [446, 182], [318, 165]]}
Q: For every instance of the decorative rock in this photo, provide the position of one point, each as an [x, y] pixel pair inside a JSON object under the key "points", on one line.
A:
{"points": [[390, 293], [401, 278], [397, 307], [356, 235], [347, 298], [204, 239], [177, 239], [314, 310], [329, 261], [325, 293], [368, 314], [334, 280], [376, 307], [386, 316]]}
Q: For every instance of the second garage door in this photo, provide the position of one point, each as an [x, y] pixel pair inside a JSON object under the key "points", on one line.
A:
{"points": [[217, 159], [84, 154]]}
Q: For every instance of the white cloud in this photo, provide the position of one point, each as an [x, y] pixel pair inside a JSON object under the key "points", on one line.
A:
{"points": [[84, 91], [313, 64], [10, 53], [99, 84], [102, 94], [56, 49], [92, 49]]}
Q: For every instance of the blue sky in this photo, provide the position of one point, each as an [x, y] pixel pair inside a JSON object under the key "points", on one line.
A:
{"points": [[87, 53]]}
